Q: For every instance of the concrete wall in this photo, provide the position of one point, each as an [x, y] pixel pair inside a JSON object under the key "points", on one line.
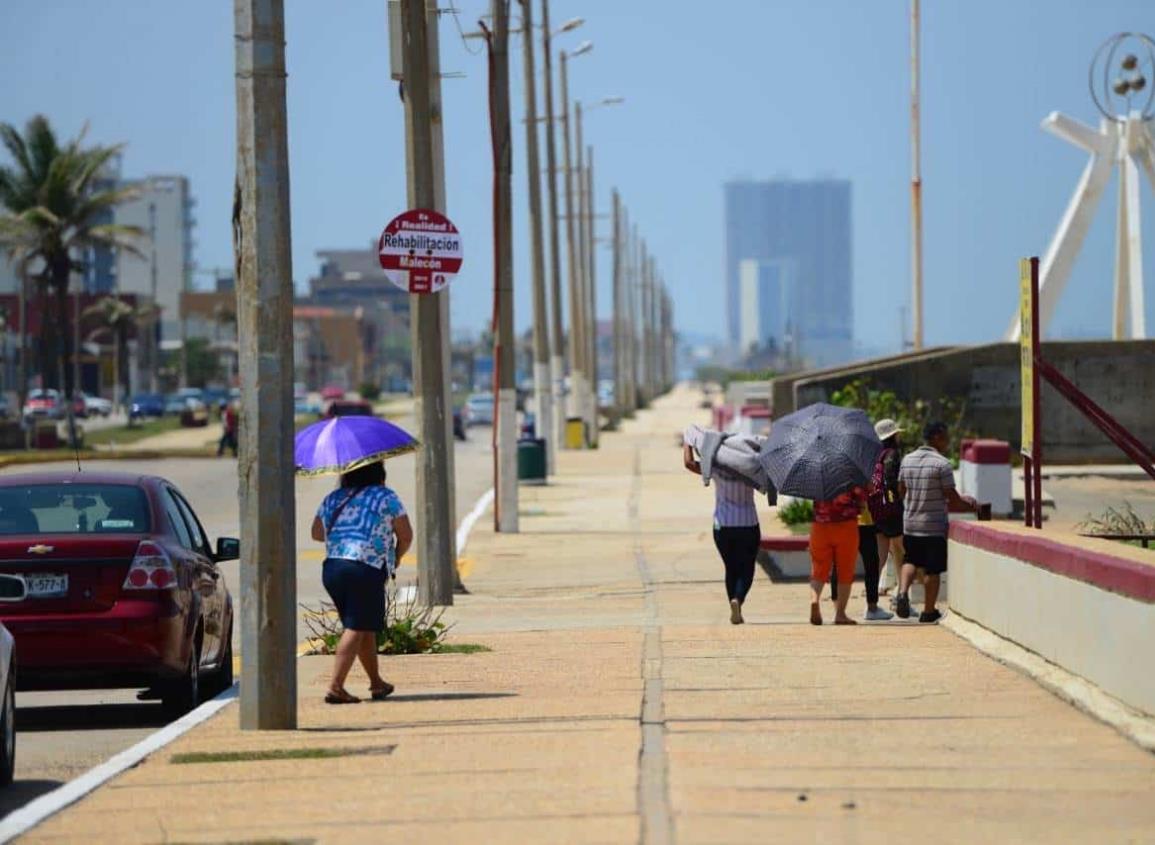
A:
{"points": [[1119, 375], [1085, 610]]}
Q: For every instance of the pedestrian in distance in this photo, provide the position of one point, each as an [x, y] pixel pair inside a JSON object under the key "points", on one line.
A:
{"points": [[834, 547], [230, 421], [885, 503], [926, 486], [737, 534], [869, 544], [366, 532]]}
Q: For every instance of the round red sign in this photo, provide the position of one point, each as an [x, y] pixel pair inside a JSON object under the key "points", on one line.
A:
{"points": [[420, 251]]}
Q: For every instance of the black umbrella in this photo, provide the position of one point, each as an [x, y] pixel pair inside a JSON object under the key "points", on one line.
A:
{"points": [[821, 451]]}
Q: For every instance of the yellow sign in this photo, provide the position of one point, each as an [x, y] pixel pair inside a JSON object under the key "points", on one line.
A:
{"points": [[1027, 357]]}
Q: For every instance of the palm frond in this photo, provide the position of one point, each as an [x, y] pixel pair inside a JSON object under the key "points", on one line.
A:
{"points": [[14, 142], [91, 163], [130, 239], [43, 148]]}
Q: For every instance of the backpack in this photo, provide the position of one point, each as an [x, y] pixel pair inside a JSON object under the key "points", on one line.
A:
{"points": [[883, 501]]}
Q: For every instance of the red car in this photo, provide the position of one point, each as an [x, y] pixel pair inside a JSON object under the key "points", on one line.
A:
{"points": [[123, 587]]}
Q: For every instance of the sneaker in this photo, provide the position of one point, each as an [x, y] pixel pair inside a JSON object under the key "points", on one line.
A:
{"points": [[902, 606], [930, 615], [877, 614], [736, 612]]}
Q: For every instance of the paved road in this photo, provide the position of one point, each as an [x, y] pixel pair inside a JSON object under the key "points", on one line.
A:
{"points": [[62, 734]]}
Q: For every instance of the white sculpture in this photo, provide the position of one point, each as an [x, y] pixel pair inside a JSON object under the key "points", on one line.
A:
{"points": [[1122, 139]]}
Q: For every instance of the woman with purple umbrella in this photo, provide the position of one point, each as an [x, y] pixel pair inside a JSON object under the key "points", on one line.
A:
{"points": [[365, 531]]}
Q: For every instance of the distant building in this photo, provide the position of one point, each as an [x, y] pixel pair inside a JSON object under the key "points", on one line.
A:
{"points": [[164, 211], [767, 291], [802, 228]]}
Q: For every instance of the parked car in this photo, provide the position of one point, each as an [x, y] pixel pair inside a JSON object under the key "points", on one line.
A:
{"points": [[124, 589], [12, 589], [95, 406], [348, 408], [459, 424], [5, 407], [479, 409], [44, 404], [305, 407], [147, 405]]}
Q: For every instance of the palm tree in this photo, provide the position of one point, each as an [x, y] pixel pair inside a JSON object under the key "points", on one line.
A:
{"points": [[51, 212], [115, 318]]}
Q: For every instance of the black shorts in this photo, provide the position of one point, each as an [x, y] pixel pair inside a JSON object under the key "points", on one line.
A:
{"points": [[889, 527], [358, 592], [927, 553]]}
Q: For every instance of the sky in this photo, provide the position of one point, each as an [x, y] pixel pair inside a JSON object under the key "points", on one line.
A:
{"points": [[713, 92]]}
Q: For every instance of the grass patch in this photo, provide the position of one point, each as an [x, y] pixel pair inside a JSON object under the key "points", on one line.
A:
{"points": [[124, 435], [275, 754], [463, 648]]}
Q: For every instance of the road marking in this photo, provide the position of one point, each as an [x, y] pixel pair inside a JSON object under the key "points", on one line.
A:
{"points": [[31, 814]]}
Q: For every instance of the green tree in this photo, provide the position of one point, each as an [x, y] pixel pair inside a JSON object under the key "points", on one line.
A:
{"points": [[116, 319], [51, 212], [202, 363]]}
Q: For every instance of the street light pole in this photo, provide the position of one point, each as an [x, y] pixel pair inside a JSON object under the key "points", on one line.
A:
{"points": [[264, 286], [619, 333], [632, 316], [577, 387], [504, 339], [435, 564], [557, 333], [542, 384], [591, 294], [915, 176]]}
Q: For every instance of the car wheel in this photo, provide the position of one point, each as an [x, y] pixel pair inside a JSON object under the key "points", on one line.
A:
{"points": [[184, 693], [8, 733]]}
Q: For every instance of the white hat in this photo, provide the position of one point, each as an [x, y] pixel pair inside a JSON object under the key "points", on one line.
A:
{"points": [[886, 428]]}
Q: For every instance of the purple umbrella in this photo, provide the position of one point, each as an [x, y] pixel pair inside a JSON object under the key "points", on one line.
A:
{"points": [[343, 444]]}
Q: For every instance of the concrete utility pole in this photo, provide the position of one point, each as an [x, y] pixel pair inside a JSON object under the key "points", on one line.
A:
{"points": [[504, 338], [619, 327], [542, 383], [557, 332], [577, 369], [915, 176], [632, 312], [264, 285], [581, 323], [591, 302], [435, 562]]}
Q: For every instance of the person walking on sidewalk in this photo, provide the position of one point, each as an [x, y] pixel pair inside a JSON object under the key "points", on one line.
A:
{"points": [[869, 543], [737, 534], [834, 546], [229, 421], [926, 485], [885, 504], [366, 531]]}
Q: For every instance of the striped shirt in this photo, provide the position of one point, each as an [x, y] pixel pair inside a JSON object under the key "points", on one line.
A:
{"points": [[927, 476], [733, 504]]}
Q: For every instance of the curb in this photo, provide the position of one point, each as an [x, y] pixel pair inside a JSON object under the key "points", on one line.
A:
{"points": [[31, 814], [22, 820], [1073, 689]]}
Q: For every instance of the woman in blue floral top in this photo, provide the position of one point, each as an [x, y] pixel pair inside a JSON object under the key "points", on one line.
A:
{"points": [[366, 532]]}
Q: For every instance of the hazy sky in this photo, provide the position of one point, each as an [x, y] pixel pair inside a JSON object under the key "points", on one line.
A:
{"points": [[714, 91]]}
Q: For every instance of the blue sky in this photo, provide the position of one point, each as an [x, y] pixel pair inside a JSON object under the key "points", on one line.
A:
{"points": [[742, 88]]}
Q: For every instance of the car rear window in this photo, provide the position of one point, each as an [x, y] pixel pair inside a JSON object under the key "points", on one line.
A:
{"points": [[73, 509]]}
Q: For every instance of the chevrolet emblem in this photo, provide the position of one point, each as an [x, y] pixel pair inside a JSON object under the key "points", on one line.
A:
{"points": [[40, 549]]}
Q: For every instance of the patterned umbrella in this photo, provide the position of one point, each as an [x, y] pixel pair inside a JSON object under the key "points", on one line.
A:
{"points": [[821, 451], [342, 444]]}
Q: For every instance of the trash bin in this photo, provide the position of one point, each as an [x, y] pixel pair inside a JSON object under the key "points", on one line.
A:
{"points": [[531, 460], [45, 435], [575, 433]]}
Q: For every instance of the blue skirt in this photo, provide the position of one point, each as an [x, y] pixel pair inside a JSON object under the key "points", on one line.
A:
{"points": [[358, 592]]}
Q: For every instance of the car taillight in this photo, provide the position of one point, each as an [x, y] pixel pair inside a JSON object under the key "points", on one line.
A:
{"points": [[151, 569]]}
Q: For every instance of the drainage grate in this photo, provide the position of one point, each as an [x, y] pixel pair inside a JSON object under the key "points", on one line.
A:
{"points": [[277, 754]]}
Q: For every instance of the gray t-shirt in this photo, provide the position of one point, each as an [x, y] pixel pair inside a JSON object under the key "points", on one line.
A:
{"points": [[927, 476]]}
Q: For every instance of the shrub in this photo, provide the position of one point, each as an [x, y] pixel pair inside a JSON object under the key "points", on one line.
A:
{"points": [[796, 512], [370, 392], [409, 628]]}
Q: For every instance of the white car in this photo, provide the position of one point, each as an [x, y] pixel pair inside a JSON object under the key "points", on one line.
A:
{"points": [[96, 406], [12, 589], [479, 409]]}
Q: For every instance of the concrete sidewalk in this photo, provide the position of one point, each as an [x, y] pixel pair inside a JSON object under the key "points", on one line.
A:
{"points": [[619, 705]]}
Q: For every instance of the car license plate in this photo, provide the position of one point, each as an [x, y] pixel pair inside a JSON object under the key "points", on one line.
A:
{"points": [[46, 586]]}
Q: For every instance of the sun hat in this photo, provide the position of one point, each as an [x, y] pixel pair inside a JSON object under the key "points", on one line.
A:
{"points": [[886, 428]]}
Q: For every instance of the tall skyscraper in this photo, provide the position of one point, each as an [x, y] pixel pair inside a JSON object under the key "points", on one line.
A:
{"points": [[796, 239]]}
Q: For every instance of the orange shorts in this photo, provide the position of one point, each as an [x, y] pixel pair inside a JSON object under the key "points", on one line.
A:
{"points": [[833, 544]]}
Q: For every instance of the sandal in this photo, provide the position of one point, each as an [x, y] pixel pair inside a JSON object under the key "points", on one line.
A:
{"points": [[340, 697], [382, 692]]}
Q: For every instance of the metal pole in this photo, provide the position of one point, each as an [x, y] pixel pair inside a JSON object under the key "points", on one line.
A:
{"points": [[542, 385], [634, 291], [264, 288], [619, 329], [557, 332], [591, 301], [435, 564], [581, 315], [152, 356], [504, 338], [1036, 398], [576, 387], [915, 177]]}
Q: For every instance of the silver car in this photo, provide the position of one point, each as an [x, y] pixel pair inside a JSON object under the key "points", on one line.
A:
{"points": [[479, 409]]}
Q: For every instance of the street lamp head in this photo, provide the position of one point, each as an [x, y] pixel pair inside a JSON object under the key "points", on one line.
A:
{"points": [[1117, 76], [613, 101], [571, 25], [581, 49]]}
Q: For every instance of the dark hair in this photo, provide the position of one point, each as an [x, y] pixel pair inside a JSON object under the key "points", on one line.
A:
{"points": [[891, 442], [370, 475], [933, 430]]}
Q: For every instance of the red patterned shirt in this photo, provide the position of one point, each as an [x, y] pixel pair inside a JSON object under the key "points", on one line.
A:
{"points": [[842, 508]]}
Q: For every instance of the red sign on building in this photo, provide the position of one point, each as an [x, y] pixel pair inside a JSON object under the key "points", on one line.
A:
{"points": [[420, 251]]}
